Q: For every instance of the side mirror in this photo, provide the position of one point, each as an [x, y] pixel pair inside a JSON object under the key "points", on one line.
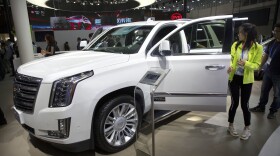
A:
{"points": [[164, 48]]}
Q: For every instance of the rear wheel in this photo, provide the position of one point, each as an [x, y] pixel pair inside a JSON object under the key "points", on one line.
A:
{"points": [[116, 124]]}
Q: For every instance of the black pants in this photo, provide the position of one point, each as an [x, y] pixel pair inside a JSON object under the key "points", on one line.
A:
{"points": [[270, 81], [235, 86]]}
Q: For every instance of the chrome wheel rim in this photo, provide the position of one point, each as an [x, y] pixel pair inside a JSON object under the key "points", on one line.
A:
{"points": [[121, 124]]}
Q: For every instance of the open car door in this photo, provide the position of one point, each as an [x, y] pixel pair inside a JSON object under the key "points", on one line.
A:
{"points": [[198, 58]]}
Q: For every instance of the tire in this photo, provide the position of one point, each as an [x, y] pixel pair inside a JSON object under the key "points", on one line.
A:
{"points": [[121, 133]]}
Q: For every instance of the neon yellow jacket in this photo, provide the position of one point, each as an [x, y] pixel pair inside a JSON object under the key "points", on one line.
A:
{"points": [[253, 62]]}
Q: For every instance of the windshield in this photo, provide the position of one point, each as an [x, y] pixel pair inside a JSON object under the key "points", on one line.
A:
{"points": [[125, 40]]}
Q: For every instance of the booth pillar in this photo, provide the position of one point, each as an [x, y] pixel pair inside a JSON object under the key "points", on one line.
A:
{"points": [[23, 32]]}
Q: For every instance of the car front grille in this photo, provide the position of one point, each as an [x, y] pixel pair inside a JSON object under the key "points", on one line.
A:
{"points": [[25, 92]]}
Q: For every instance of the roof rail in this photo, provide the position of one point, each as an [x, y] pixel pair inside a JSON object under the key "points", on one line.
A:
{"points": [[240, 19], [184, 19]]}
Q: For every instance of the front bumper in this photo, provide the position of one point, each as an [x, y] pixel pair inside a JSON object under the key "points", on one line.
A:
{"points": [[45, 119]]}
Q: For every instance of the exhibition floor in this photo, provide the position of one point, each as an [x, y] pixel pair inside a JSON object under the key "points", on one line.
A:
{"points": [[194, 134]]}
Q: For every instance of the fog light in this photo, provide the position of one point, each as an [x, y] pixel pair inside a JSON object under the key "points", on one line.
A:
{"points": [[63, 129], [54, 134]]}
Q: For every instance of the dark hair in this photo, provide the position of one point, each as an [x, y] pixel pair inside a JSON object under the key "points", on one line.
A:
{"points": [[50, 39], [251, 31], [277, 25]]}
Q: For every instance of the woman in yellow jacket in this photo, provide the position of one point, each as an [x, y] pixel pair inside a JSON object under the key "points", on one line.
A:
{"points": [[246, 57]]}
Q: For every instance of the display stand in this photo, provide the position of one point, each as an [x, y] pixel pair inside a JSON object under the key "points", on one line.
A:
{"points": [[153, 77]]}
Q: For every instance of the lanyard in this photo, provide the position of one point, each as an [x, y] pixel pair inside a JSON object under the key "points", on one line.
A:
{"points": [[273, 49], [243, 52]]}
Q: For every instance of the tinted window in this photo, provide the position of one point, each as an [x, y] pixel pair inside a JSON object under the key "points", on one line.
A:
{"points": [[206, 35], [160, 34], [175, 45]]}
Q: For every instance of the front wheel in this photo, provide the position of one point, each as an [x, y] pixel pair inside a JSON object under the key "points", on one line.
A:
{"points": [[116, 124]]}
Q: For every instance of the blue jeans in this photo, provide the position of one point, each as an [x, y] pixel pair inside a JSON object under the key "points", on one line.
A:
{"points": [[269, 81]]}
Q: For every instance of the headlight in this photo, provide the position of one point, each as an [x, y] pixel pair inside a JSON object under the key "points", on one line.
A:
{"points": [[63, 89]]}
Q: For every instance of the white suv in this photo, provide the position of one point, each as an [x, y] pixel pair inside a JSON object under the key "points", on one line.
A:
{"points": [[86, 98]]}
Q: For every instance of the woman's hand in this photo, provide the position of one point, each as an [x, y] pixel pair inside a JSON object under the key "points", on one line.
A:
{"points": [[241, 62], [43, 52], [229, 70]]}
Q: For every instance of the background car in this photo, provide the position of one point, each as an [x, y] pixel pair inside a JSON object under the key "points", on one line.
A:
{"points": [[79, 22], [59, 23], [61, 26]]}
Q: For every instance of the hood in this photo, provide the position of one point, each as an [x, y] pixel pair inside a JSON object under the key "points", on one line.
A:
{"points": [[71, 63]]}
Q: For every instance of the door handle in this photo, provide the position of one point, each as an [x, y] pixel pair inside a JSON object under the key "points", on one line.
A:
{"points": [[215, 67]]}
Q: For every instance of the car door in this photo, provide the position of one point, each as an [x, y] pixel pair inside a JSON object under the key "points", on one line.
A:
{"points": [[198, 79]]}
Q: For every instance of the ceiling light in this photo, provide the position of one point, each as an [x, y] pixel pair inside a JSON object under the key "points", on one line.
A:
{"points": [[44, 4]]}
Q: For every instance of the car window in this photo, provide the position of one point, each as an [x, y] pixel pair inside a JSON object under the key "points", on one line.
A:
{"points": [[202, 38], [175, 45], [160, 34], [206, 35]]}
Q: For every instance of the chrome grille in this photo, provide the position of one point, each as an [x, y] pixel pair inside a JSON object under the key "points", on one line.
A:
{"points": [[25, 92]]}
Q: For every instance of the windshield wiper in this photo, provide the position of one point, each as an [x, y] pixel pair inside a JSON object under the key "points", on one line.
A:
{"points": [[105, 50]]}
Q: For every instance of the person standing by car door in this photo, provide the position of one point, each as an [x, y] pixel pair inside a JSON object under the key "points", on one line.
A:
{"points": [[246, 57], [271, 76]]}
